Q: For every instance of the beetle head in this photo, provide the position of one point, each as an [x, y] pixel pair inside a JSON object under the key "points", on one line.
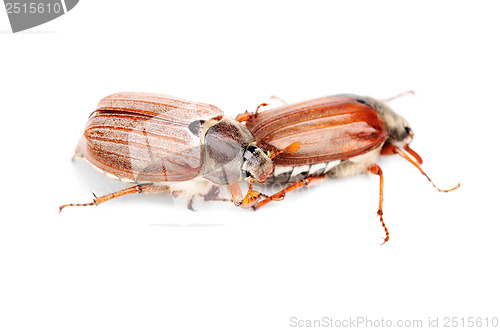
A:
{"points": [[256, 163], [398, 128]]}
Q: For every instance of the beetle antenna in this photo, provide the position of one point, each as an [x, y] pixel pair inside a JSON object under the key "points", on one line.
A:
{"points": [[399, 95], [403, 154]]}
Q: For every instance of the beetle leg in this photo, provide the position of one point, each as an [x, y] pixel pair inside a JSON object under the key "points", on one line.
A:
{"points": [[251, 195], [78, 151], [399, 95], [281, 194], [236, 195], [279, 99], [387, 149], [246, 116], [140, 188], [375, 169], [212, 195]]}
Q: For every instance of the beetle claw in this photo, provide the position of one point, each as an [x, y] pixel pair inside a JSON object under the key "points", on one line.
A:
{"points": [[191, 203]]}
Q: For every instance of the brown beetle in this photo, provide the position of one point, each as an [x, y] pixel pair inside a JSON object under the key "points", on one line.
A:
{"points": [[161, 143], [340, 135]]}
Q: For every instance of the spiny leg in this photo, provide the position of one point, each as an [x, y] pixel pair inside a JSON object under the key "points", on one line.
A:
{"points": [[246, 116], [399, 95], [252, 195], [281, 194], [375, 169], [279, 99], [140, 188], [212, 195], [78, 151]]}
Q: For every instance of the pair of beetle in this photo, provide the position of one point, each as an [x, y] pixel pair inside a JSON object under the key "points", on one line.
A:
{"points": [[162, 143]]}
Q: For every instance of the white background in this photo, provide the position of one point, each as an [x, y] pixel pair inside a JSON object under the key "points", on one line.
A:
{"points": [[148, 263]]}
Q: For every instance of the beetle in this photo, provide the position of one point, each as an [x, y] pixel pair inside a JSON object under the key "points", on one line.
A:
{"points": [[340, 135], [163, 143]]}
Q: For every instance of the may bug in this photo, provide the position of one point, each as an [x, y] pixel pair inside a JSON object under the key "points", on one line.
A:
{"points": [[340, 135], [162, 143]]}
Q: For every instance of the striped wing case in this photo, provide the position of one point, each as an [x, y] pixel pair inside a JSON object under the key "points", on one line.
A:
{"points": [[328, 129], [144, 136]]}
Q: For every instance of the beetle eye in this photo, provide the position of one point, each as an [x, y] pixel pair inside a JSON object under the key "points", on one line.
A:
{"points": [[251, 148], [249, 152]]}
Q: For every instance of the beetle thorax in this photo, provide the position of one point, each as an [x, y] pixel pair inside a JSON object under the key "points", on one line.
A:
{"points": [[225, 142]]}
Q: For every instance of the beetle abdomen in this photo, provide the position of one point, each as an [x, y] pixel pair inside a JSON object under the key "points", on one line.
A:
{"points": [[146, 136], [296, 173]]}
